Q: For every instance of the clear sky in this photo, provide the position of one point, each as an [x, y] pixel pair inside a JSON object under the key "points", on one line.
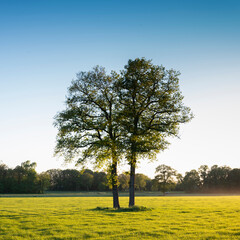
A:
{"points": [[43, 44]]}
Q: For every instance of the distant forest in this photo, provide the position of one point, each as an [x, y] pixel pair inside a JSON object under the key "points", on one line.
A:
{"points": [[25, 179]]}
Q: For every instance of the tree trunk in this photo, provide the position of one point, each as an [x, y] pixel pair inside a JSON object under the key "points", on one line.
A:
{"points": [[115, 197], [115, 186], [133, 160], [132, 185]]}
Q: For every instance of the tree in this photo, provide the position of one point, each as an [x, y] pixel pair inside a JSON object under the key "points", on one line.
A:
{"points": [[234, 180], [123, 180], [155, 185], [203, 171], [69, 179], [191, 181], [26, 177], [141, 181], [149, 184], [3, 177], [43, 181], [88, 128], [151, 110], [99, 181], [55, 179], [165, 177], [179, 185], [86, 179], [217, 178]]}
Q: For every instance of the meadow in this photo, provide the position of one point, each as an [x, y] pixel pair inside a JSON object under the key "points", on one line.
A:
{"points": [[189, 217]]}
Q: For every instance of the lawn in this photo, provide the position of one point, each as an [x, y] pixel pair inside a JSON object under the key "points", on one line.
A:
{"points": [[198, 217]]}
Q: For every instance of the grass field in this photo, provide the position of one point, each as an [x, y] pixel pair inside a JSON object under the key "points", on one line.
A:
{"points": [[198, 217]]}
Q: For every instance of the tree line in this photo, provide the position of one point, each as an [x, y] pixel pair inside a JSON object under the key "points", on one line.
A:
{"points": [[25, 179], [22, 179], [210, 180]]}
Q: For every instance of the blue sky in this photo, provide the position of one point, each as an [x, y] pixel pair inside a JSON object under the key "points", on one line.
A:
{"points": [[43, 44]]}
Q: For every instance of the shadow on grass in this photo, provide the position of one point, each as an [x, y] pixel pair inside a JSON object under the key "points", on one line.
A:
{"points": [[129, 209]]}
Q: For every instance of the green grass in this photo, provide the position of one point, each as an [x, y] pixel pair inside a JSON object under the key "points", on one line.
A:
{"points": [[198, 217]]}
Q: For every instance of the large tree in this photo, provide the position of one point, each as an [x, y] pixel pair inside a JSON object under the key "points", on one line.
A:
{"points": [[88, 127], [151, 110]]}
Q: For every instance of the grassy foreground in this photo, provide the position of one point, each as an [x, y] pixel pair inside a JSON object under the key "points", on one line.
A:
{"points": [[78, 218]]}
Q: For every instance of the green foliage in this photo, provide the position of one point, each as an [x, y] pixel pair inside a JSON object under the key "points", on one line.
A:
{"points": [[217, 178], [24, 179], [151, 107], [123, 180], [74, 180], [86, 179], [87, 128], [100, 181], [233, 180], [165, 177], [21, 179], [191, 181], [141, 181], [43, 181]]}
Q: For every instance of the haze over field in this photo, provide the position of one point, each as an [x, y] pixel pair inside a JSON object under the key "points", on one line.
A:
{"points": [[44, 44]]}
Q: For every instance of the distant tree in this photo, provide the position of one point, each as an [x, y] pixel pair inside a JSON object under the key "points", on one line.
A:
{"points": [[10, 185], [141, 181], [155, 185], [179, 184], [149, 184], [191, 181], [165, 177], [100, 181], [69, 179], [217, 178], [26, 177], [43, 182], [55, 179], [151, 110], [3, 177], [123, 180], [73, 180], [203, 171], [88, 129], [86, 179], [21, 179], [233, 180]]}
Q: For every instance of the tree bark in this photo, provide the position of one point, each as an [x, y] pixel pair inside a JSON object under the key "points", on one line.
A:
{"points": [[115, 186], [115, 197], [132, 185], [133, 161]]}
